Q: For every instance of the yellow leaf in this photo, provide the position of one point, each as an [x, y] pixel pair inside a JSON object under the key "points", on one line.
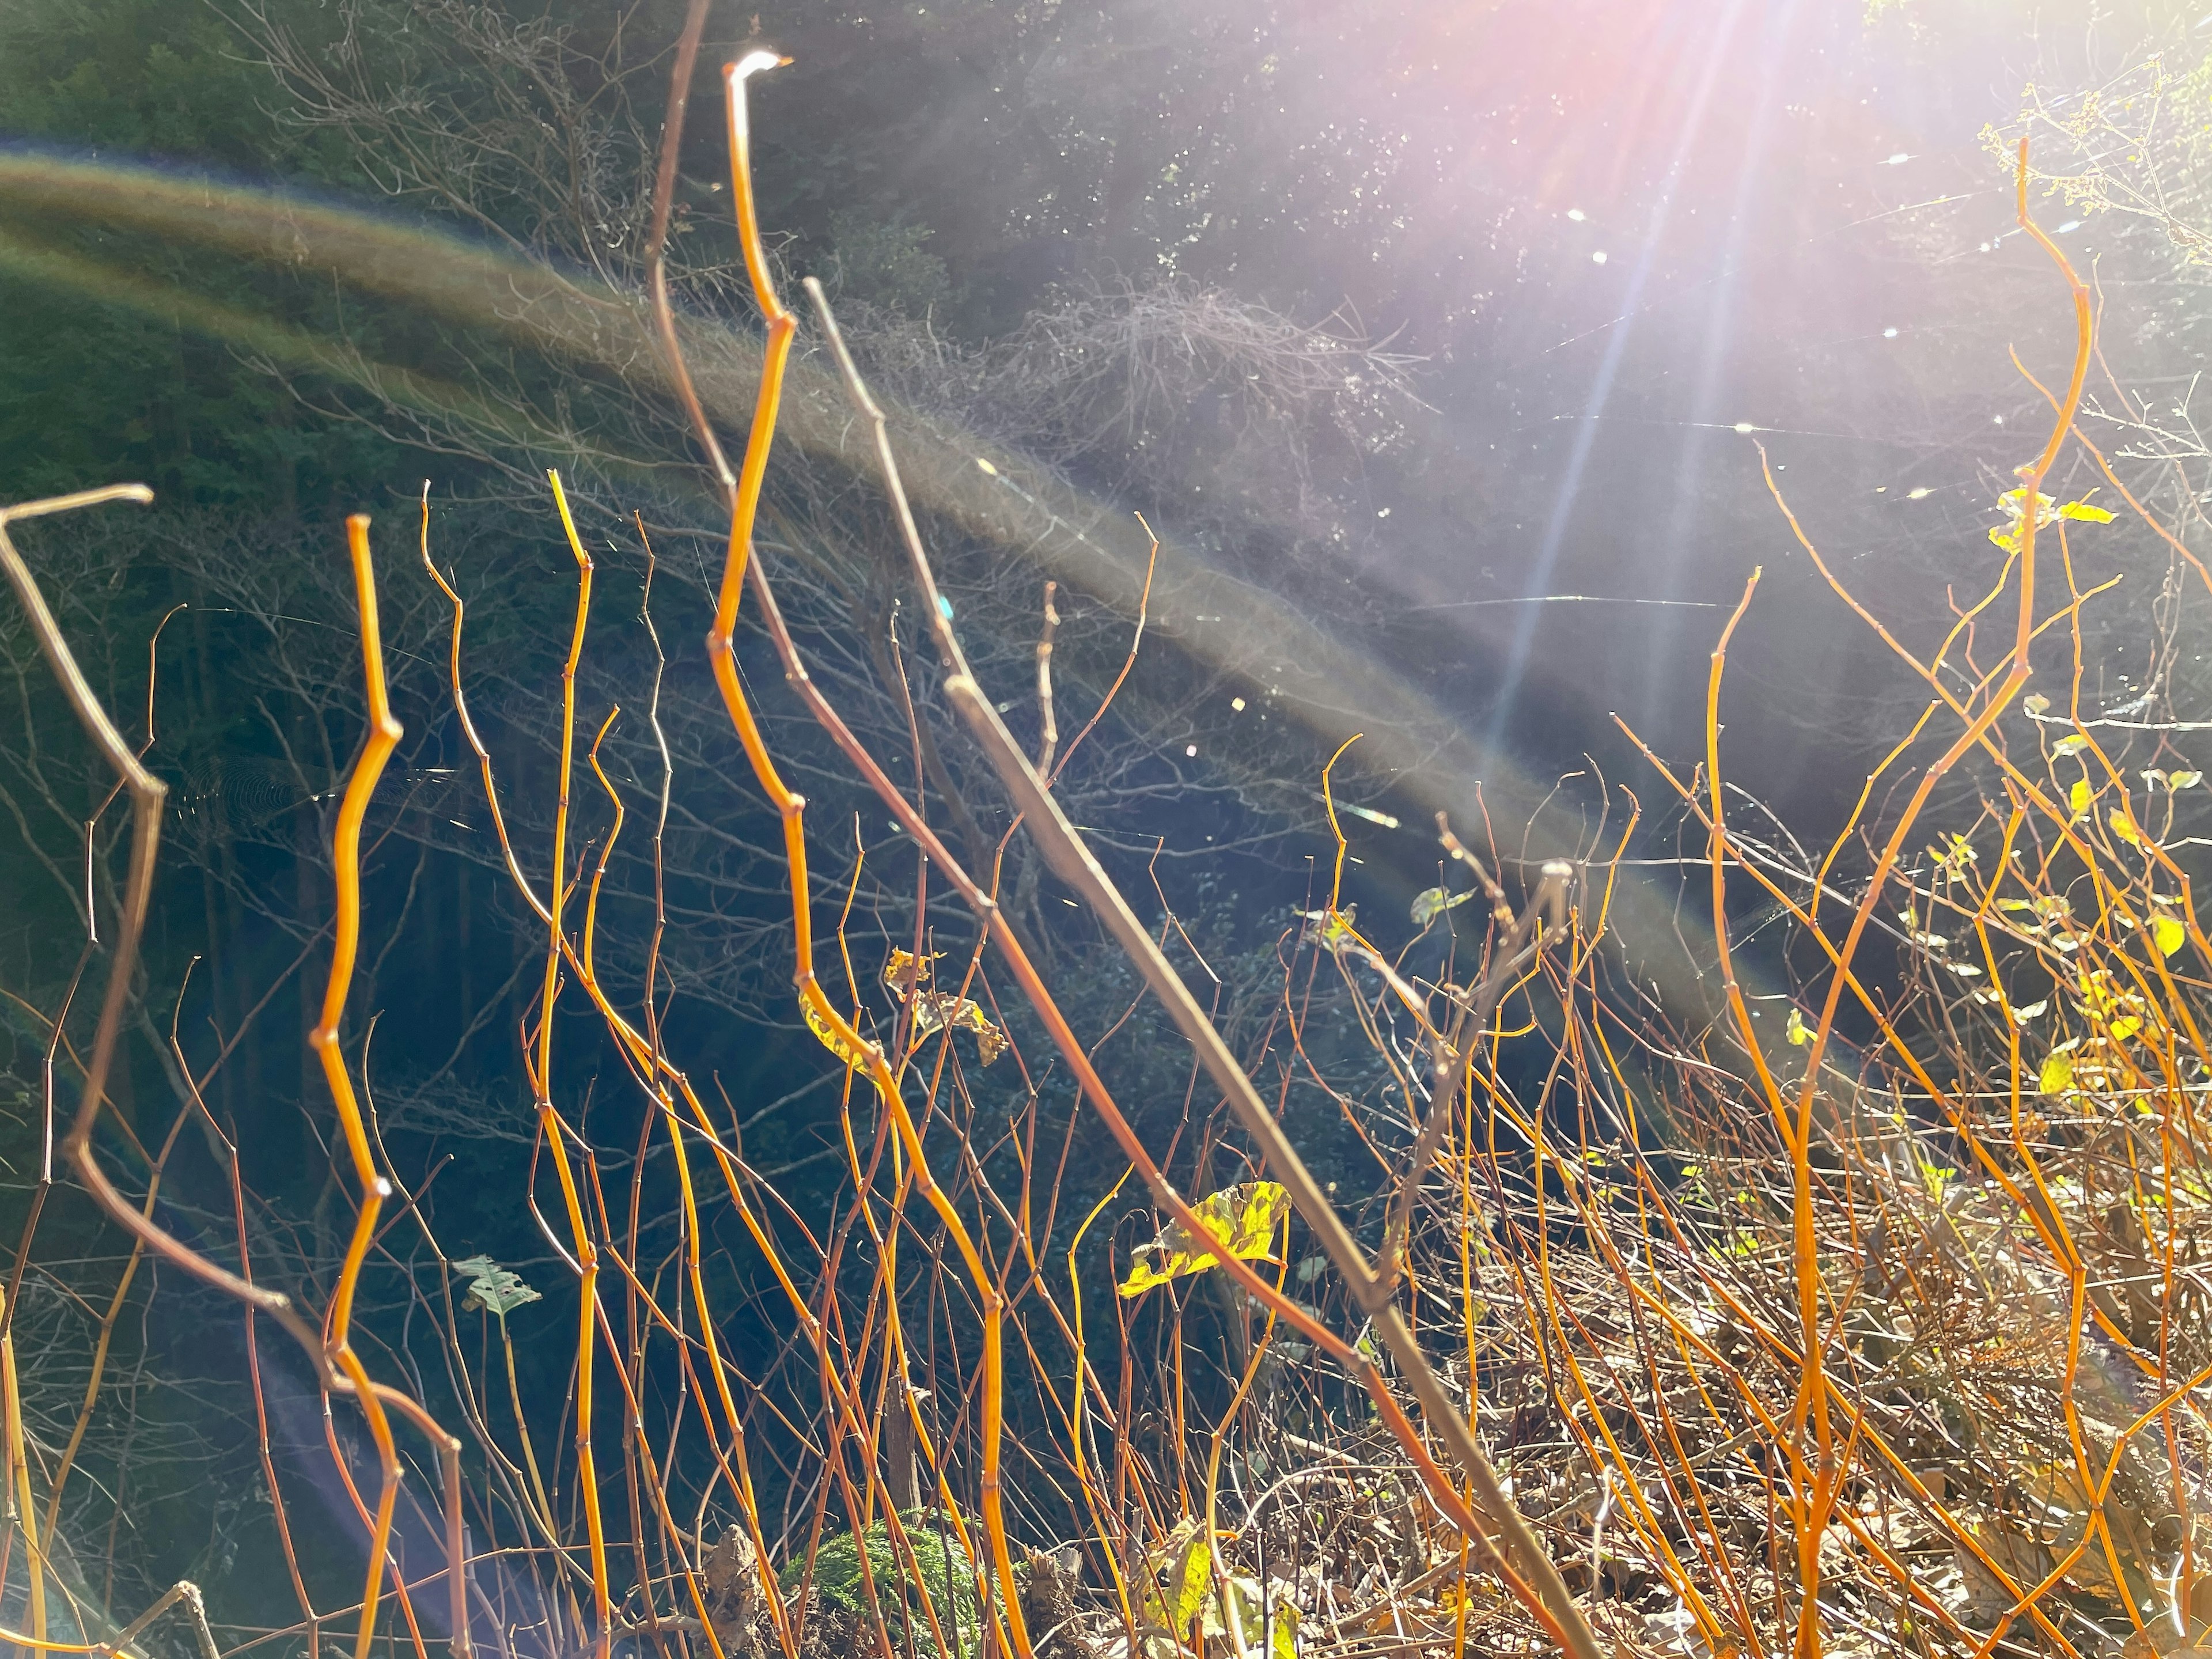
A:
{"points": [[1182, 1575], [1187, 1590], [1954, 859], [828, 1035], [2125, 1027], [909, 978], [904, 971], [990, 1041], [2058, 1075], [1240, 1220], [2078, 796], [2167, 934], [1797, 1031]]}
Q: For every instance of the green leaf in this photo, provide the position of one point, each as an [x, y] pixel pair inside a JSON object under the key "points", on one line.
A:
{"points": [[1332, 930], [2183, 780], [1241, 1221], [2035, 703], [1433, 901], [499, 1291], [2072, 744]]}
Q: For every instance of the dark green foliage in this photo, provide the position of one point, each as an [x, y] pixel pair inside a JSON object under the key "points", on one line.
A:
{"points": [[91, 392], [138, 77]]}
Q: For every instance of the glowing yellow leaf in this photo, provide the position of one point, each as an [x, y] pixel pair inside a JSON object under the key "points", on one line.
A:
{"points": [[829, 1034], [1954, 859], [2078, 796], [1182, 1571], [2124, 826], [1797, 1030], [904, 971], [2058, 1075], [1241, 1220], [2167, 934], [1188, 1589], [2125, 1027]]}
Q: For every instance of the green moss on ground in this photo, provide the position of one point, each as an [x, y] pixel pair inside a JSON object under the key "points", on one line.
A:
{"points": [[941, 1564]]}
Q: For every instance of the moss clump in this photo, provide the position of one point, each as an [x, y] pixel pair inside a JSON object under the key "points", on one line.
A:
{"points": [[840, 1598]]}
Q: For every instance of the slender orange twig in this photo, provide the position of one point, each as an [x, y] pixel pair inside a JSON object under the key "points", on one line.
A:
{"points": [[835, 1031], [587, 1250], [383, 737]]}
